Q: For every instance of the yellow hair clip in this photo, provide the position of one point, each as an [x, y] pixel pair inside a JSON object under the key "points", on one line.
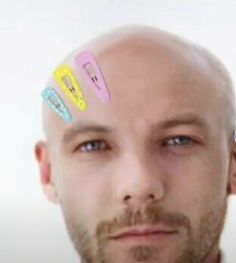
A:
{"points": [[67, 81]]}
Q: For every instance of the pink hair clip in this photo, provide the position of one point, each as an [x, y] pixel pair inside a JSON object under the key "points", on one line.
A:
{"points": [[93, 75]]}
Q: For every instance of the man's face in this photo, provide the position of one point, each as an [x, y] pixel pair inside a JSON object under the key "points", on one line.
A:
{"points": [[144, 178]]}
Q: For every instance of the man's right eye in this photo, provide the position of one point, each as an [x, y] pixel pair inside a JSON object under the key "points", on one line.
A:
{"points": [[92, 146]]}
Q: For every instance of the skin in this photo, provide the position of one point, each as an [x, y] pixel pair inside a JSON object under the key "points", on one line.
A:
{"points": [[140, 172]]}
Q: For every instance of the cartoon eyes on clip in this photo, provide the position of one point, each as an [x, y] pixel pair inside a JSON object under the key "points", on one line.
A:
{"points": [[67, 81], [93, 75], [56, 104]]}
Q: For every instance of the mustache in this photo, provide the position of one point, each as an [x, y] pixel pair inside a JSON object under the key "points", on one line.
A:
{"points": [[151, 214]]}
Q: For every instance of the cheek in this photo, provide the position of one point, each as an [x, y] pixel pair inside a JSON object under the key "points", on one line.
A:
{"points": [[197, 183], [206, 171], [83, 189]]}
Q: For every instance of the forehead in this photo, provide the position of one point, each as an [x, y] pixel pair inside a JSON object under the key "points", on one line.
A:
{"points": [[147, 86], [144, 81]]}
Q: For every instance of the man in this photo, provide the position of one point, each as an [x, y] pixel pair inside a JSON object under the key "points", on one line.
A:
{"points": [[146, 177]]}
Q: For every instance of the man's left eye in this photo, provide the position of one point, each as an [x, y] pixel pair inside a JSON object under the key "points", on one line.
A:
{"points": [[179, 141]]}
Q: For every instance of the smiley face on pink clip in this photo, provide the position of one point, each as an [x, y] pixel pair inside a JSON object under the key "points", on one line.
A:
{"points": [[93, 75]]}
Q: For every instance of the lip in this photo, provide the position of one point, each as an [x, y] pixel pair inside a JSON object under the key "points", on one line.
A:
{"points": [[144, 232]]}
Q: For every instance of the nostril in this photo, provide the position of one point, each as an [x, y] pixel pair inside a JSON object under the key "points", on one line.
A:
{"points": [[127, 197], [151, 196]]}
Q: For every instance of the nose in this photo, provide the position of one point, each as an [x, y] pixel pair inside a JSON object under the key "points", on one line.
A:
{"points": [[139, 181]]}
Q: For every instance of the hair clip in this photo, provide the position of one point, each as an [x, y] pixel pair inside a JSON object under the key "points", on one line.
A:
{"points": [[235, 136], [93, 75], [67, 81], [56, 104]]}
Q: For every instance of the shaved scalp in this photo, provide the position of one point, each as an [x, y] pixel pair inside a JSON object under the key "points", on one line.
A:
{"points": [[141, 38]]}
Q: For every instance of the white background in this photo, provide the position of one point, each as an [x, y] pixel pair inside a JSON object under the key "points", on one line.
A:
{"points": [[34, 37]]}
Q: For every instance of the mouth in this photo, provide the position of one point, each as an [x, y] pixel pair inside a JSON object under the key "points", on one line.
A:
{"points": [[144, 233]]}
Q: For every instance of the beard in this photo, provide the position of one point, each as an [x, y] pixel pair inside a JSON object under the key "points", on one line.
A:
{"points": [[196, 245]]}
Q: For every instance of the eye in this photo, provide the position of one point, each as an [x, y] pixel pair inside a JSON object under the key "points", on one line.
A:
{"points": [[91, 146], [179, 141]]}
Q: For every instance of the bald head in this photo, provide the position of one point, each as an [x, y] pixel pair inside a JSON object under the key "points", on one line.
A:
{"points": [[144, 55]]}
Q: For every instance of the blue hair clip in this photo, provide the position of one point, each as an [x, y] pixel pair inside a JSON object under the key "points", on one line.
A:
{"points": [[56, 104]]}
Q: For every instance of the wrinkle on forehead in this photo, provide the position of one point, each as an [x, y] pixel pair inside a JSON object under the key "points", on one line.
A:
{"points": [[136, 39]]}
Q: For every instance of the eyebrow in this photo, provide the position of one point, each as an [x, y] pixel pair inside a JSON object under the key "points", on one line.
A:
{"points": [[83, 127], [182, 119]]}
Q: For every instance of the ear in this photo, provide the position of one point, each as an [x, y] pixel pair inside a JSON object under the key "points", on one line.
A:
{"points": [[232, 178], [42, 157]]}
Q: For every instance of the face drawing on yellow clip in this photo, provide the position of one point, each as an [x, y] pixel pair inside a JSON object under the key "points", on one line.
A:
{"points": [[69, 84]]}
